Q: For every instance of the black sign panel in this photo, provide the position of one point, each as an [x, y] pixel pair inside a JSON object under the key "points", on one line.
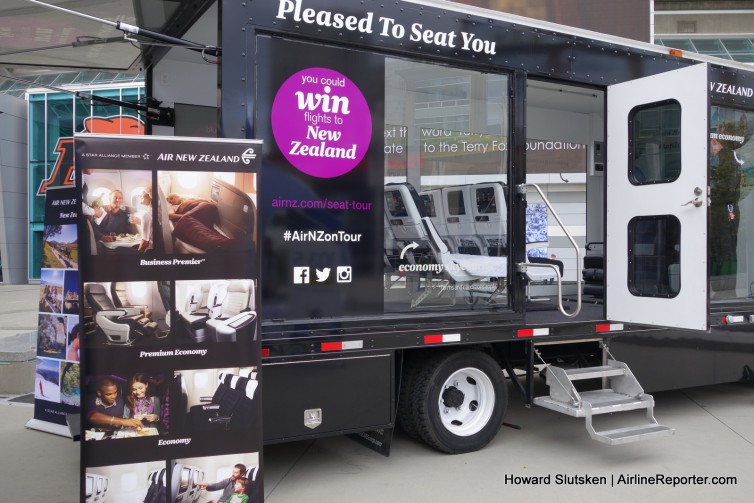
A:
{"points": [[321, 203]]}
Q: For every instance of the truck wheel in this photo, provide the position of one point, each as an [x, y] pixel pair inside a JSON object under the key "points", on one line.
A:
{"points": [[460, 399], [406, 401]]}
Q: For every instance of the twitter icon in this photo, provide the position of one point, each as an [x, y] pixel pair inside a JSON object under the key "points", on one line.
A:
{"points": [[322, 275]]}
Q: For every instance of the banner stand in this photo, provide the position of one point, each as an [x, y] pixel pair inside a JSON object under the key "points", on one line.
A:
{"points": [[171, 351], [56, 381], [48, 427]]}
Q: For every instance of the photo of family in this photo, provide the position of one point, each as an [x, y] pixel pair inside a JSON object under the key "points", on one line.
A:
{"points": [[118, 209], [126, 313], [206, 212], [226, 478], [117, 406]]}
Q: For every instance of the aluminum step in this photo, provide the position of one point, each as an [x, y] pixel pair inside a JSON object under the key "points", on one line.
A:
{"points": [[594, 372], [632, 434], [604, 401], [623, 394], [607, 401]]}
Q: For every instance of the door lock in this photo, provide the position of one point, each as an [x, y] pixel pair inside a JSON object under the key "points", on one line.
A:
{"points": [[696, 201]]}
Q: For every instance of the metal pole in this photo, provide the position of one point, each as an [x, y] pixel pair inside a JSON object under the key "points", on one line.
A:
{"points": [[128, 28]]}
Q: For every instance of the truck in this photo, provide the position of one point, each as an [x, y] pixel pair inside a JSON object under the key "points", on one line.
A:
{"points": [[455, 202]]}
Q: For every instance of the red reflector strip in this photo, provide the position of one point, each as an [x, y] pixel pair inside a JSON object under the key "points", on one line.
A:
{"points": [[441, 338], [734, 319], [609, 327], [340, 346], [265, 352], [532, 332]]}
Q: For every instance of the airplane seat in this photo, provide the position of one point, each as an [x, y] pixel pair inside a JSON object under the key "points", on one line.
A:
{"points": [[119, 294], [194, 315], [218, 415], [245, 413], [593, 272], [96, 487], [461, 267], [235, 210], [179, 396], [157, 490], [164, 218], [234, 314], [198, 414], [432, 205], [119, 325], [184, 483], [195, 323], [170, 243], [490, 211], [403, 209], [459, 220], [391, 249], [91, 236]]}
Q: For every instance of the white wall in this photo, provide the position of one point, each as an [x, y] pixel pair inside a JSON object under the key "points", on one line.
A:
{"points": [[14, 222], [568, 198]]}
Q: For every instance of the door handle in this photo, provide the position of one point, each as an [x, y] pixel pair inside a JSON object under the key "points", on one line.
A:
{"points": [[696, 201]]}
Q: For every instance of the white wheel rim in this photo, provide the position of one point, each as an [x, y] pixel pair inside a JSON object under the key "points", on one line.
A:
{"points": [[473, 414]]}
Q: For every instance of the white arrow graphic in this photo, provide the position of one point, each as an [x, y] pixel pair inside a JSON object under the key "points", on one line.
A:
{"points": [[414, 245]]}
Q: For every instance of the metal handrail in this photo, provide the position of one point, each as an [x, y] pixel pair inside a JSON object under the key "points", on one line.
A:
{"points": [[521, 189]]}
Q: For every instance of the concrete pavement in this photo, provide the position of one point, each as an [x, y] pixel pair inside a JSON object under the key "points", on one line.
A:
{"points": [[714, 438]]}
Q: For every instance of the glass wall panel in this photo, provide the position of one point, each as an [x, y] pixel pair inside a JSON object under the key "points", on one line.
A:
{"points": [[731, 212], [446, 210]]}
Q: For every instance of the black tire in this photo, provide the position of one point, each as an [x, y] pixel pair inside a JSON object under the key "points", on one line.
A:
{"points": [[474, 401], [406, 413]]}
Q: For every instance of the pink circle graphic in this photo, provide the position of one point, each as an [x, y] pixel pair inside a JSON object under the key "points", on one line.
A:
{"points": [[321, 122]]}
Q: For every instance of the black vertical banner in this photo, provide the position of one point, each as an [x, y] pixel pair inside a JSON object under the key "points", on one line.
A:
{"points": [[169, 277], [324, 175], [56, 384]]}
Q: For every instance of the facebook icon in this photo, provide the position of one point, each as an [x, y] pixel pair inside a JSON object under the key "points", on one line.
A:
{"points": [[300, 275]]}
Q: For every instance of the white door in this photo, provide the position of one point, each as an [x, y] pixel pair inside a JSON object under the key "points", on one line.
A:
{"points": [[656, 237]]}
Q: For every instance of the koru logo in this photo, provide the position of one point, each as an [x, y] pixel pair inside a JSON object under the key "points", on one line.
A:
{"points": [[248, 155]]}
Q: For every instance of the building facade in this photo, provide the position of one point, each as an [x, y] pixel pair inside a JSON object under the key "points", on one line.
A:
{"points": [[724, 29], [53, 119]]}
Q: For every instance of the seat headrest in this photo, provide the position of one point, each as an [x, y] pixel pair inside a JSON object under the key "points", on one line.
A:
{"points": [[97, 296], [234, 381], [239, 286], [95, 288], [251, 386]]}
